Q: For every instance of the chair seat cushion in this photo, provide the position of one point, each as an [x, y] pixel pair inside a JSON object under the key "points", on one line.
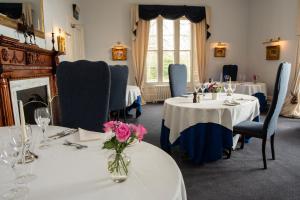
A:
{"points": [[249, 128]]}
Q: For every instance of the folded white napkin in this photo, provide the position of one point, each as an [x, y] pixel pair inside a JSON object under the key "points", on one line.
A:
{"points": [[85, 135], [231, 103]]}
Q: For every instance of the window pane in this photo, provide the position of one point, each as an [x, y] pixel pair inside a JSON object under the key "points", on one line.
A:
{"points": [[168, 34], [152, 44], [185, 58], [168, 58], [152, 67], [185, 34]]}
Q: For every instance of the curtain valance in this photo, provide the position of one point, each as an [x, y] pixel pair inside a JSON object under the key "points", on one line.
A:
{"points": [[193, 13]]}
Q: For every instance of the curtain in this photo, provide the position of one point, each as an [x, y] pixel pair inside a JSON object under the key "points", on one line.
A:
{"points": [[27, 11], [140, 29], [199, 30], [291, 108]]}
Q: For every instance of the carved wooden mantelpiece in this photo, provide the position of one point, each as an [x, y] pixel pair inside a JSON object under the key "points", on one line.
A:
{"points": [[22, 61]]}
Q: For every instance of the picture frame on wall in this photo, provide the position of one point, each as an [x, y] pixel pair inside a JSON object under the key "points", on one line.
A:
{"points": [[119, 53], [220, 52], [273, 52]]}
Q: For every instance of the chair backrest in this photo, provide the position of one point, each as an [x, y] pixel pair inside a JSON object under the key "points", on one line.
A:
{"points": [[83, 89], [230, 70], [119, 77], [177, 79], [279, 94]]}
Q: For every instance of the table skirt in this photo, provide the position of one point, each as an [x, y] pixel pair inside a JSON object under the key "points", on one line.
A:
{"points": [[203, 142]]}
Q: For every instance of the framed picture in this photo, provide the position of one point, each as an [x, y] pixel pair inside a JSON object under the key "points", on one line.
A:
{"points": [[220, 51], [272, 52], [119, 53]]}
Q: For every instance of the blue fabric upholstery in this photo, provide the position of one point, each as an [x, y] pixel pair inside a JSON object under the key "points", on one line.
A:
{"points": [[262, 101], [203, 142], [83, 89], [119, 77], [137, 104], [270, 124], [177, 79], [230, 70], [268, 128], [279, 94]]}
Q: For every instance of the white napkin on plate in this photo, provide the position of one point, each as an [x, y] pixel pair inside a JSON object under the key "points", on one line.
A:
{"points": [[85, 135]]}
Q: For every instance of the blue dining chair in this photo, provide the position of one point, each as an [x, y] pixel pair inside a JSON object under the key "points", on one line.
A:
{"points": [[230, 70], [267, 129], [177, 79], [83, 90], [117, 100]]}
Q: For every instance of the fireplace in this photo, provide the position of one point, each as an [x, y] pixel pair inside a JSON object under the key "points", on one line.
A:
{"points": [[24, 69], [34, 93]]}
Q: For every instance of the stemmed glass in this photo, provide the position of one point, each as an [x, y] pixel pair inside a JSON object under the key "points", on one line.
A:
{"points": [[226, 77], [197, 87], [233, 87], [42, 119], [10, 154], [203, 88]]}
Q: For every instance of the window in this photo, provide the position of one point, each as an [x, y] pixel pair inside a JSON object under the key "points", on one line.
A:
{"points": [[169, 42]]}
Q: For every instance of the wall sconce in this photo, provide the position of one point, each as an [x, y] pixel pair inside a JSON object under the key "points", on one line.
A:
{"points": [[273, 51], [119, 51], [61, 42], [220, 50], [272, 40]]}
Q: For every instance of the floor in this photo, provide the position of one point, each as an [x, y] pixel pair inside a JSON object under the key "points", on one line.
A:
{"points": [[242, 176]]}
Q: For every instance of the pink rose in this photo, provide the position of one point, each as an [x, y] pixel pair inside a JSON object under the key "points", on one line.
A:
{"points": [[122, 132], [140, 131], [109, 126]]}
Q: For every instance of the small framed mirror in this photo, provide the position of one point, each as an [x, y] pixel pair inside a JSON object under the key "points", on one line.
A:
{"points": [[12, 11]]}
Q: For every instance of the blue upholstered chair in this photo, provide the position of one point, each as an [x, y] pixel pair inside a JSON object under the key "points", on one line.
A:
{"points": [[177, 79], [268, 128], [230, 70], [84, 89], [117, 101]]}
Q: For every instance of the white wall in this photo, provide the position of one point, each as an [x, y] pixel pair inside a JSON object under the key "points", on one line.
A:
{"points": [[57, 14], [271, 19], [108, 21]]}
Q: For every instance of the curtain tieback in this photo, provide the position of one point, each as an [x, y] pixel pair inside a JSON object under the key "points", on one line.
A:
{"points": [[294, 99]]}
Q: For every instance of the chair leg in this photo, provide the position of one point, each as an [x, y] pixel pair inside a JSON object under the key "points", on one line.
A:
{"points": [[242, 142], [124, 113], [264, 152], [272, 146]]}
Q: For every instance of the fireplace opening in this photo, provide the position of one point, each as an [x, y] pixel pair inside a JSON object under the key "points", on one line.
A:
{"points": [[32, 99]]}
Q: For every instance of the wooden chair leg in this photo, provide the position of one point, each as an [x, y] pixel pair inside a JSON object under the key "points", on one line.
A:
{"points": [[272, 146], [264, 153]]}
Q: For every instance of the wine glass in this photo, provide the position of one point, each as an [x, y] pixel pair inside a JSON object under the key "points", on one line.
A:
{"points": [[197, 87], [227, 78], [227, 88], [233, 87], [203, 88], [16, 134], [42, 119], [10, 153]]}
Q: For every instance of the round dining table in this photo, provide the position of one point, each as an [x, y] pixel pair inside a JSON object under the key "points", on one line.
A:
{"points": [[67, 173], [204, 129]]}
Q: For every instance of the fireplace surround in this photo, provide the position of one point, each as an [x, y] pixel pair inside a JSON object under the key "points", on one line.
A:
{"points": [[20, 63]]}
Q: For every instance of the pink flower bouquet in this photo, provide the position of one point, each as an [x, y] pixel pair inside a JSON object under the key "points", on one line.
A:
{"points": [[122, 135]]}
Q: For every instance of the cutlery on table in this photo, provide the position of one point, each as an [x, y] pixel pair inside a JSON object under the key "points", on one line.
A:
{"points": [[63, 133], [78, 146]]}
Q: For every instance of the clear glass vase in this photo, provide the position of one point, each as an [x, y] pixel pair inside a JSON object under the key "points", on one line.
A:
{"points": [[118, 165]]}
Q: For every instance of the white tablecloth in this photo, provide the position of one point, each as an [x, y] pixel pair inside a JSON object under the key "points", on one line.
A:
{"points": [[250, 88], [64, 172], [180, 112], [132, 92]]}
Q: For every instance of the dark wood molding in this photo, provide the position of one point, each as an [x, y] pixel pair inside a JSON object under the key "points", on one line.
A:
{"points": [[22, 61]]}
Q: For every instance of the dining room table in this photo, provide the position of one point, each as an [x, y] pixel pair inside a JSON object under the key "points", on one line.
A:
{"points": [[68, 173], [203, 130], [133, 100]]}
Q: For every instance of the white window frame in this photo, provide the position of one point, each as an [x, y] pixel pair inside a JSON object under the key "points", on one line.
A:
{"points": [[176, 51]]}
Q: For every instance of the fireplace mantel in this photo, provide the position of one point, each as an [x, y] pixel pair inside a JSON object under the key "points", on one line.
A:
{"points": [[22, 61]]}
